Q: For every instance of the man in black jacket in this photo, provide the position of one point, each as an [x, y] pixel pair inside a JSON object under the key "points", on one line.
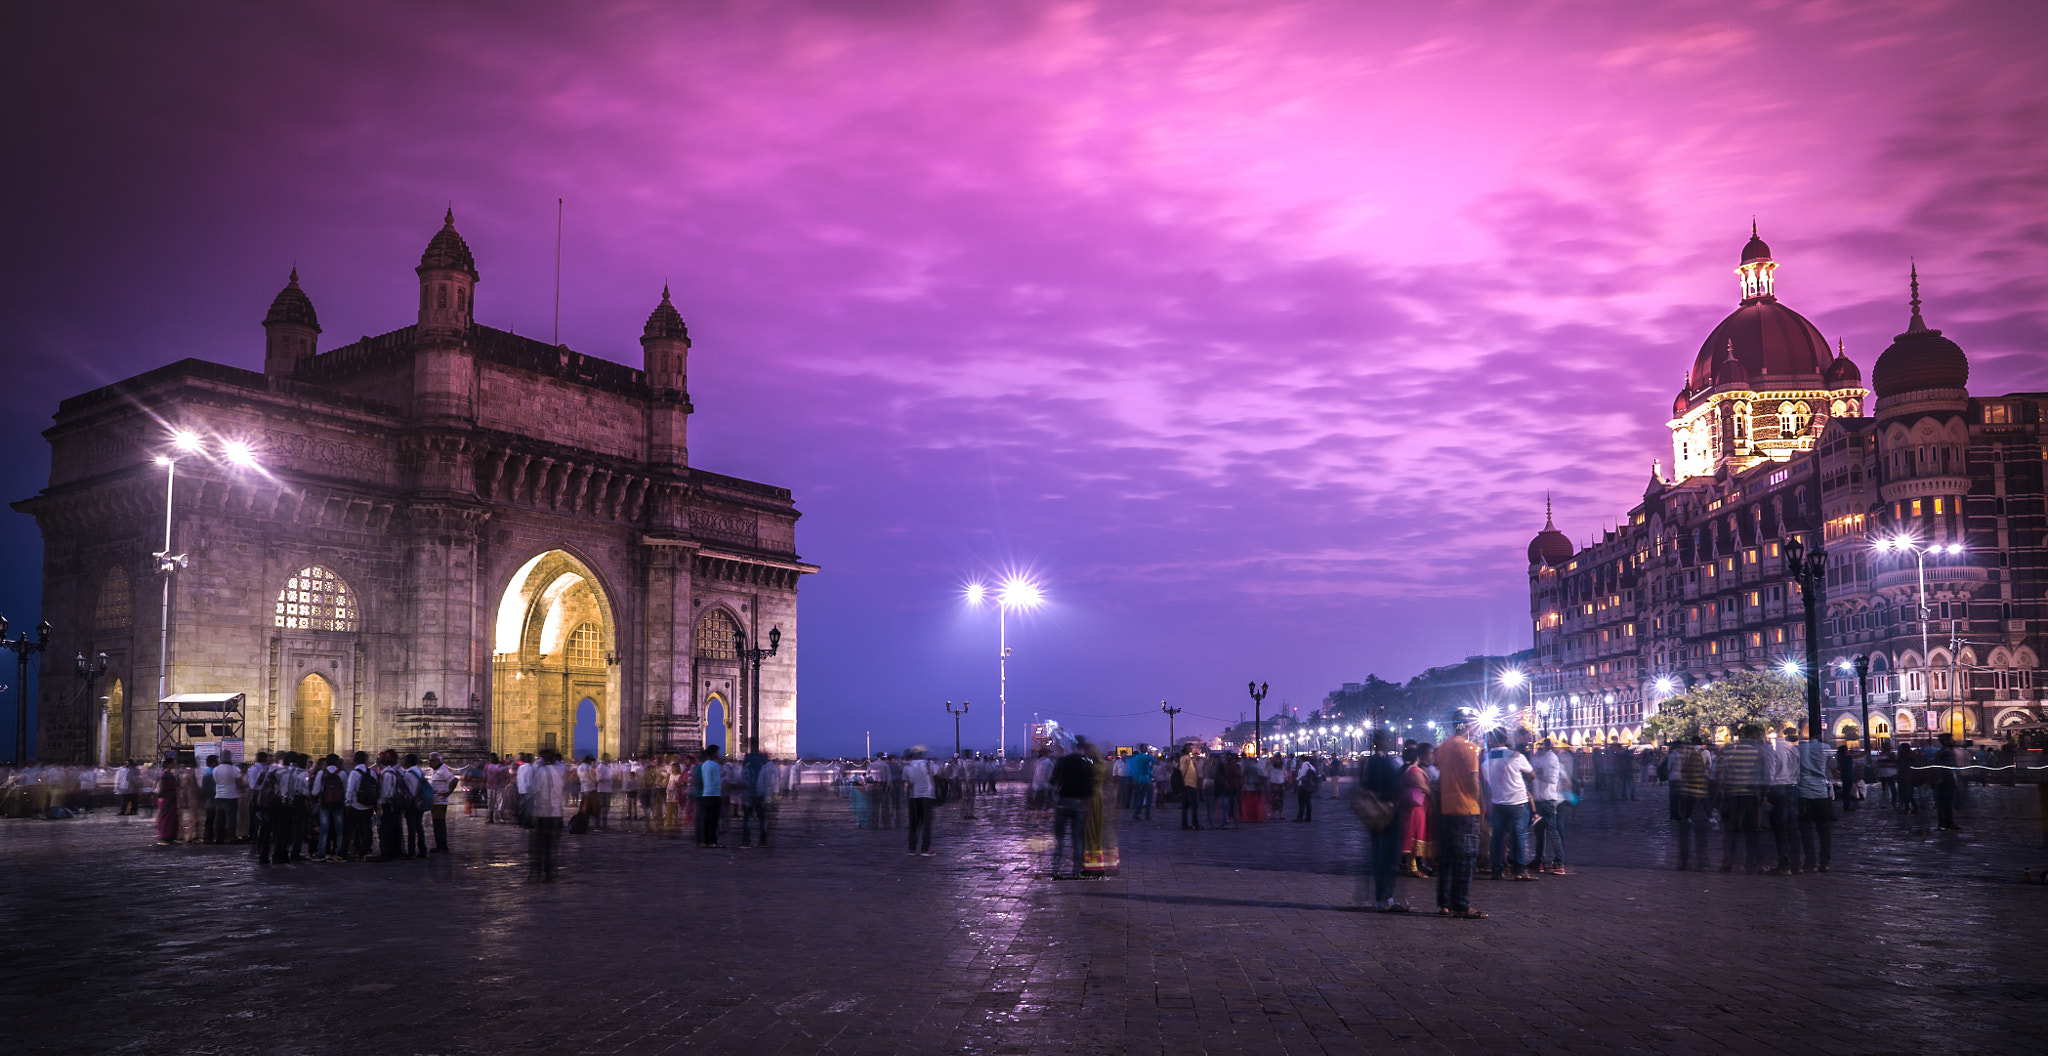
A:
{"points": [[1073, 784]]}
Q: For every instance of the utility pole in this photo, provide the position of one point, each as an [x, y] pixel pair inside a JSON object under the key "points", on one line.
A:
{"points": [[1170, 713]]}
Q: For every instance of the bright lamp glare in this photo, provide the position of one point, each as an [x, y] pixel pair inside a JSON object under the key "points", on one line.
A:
{"points": [[1790, 667], [1955, 548], [1665, 685], [976, 593], [239, 453], [1512, 679], [1019, 594], [186, 441]]}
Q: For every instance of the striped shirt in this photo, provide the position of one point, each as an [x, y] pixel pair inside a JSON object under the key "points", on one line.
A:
{"points": [[1743, 768]]}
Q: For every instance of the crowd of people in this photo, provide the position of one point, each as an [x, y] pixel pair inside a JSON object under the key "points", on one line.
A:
{"points": [[1482, 799]]}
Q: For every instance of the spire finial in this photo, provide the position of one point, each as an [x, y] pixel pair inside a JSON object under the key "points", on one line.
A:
{"points": [[295, 274], [664, 293], [450, 218], [1752, 226], [1549, 525], [1917, 324]]}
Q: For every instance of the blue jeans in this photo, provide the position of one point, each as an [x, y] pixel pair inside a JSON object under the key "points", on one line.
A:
{"points": [[1191, 807], [1385, 856], [1549, 831], [1069, 813], [330, 845], [1510, 835], [1141, 800]]}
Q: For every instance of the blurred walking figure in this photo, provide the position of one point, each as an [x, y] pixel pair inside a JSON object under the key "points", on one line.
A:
{"points": [[1071, 783], [1508, 777], [920, 778], [1420, 793], [759, 773], [1743, 772], [1458, 798], [549, 797], [1101, 855], [1816, 808], [710, 782], [1690, 770], [1381, 779], [1553, 792], [1941, 775], [442, 776], [1190, 770], [967, 778], [167, 805], [1783, 800], [1307, 779]]}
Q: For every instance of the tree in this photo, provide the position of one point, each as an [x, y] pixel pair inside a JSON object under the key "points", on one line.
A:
{"points": [[1766, 698]]}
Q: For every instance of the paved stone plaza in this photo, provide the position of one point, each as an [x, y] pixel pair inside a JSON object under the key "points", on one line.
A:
{"points": [[836, 942]]}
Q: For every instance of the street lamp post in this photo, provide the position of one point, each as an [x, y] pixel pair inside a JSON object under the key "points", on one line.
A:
{"points": [[1863, 690], [188, 445], [956, 724], [1258, 692], [1170, 713], [1902, 543], [23, 649], [91, 670], [754, 657], [1809, 570], [1514, 678]]}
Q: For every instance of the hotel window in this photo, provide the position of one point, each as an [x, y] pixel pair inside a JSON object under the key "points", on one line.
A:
{"points": [[1774, 549], [1749, 556], [1997, 414], [1756, 597], [1778, 635], [1756, 639], [1916, 508], [1937, 506]]}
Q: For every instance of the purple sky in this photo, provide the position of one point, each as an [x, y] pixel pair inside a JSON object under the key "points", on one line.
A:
{"points": [[1256, 330]]}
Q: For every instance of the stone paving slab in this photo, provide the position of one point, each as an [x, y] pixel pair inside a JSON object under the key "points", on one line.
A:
{"points": [[1227, 942]]}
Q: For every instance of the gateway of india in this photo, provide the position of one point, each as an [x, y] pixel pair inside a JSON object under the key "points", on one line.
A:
{"points": [[1929, 500], [445, 537]]}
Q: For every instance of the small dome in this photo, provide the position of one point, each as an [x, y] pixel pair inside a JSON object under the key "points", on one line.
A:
{"points": [[664, 321], [1730, 372], [1550, 547], [1679, 405], [1756, 248], [1844, 374], [292, 306], [447, 250], [1919, 359]]}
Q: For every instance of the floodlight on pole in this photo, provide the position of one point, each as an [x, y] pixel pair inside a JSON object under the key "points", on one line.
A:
{"points": [[1021, 594]]}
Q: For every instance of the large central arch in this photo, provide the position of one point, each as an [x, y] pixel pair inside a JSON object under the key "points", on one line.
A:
{"points": [[555, 642]]}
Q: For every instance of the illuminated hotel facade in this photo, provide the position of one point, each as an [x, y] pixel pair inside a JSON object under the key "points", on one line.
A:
{"points": [[1774, 435]]}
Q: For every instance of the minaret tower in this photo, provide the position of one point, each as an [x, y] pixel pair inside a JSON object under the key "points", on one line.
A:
{"points": [[447, 282], [291, 332], [665, 345]]}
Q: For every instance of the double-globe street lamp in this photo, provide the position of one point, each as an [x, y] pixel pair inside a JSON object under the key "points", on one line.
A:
{"points": [[23, 649], [962, 710], [1023, 595], [91, 670], [754, 657], [1809, 569], [1900, 544]]}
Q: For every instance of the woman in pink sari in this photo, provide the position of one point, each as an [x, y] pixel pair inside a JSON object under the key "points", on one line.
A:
{"points": [[167, 806], [1415, 850]]}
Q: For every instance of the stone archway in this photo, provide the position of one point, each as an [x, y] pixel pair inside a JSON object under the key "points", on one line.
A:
{"points": [[312, 729], [555, 640]]}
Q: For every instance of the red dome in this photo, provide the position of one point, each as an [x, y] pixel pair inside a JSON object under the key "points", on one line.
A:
{"points": [[1550, 547], [1918, 360], [1770, 341], [1844, 374]]}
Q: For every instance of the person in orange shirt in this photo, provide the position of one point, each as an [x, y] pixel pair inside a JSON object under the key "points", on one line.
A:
{"points": [[1459, 802]]}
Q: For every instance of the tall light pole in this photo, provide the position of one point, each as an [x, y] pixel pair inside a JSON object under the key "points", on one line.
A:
{"points": [[184, 444], [1018, 593], [1905, 544], [1170, 713], [956, 724], [1515, 678], [1258, 692], [1809, 570], [91, 670], [23, 649], [754, 657]]}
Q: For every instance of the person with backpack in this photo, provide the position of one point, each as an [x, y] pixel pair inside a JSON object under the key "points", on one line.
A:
{"points": [[392, 801], [255, 819], [267, 788], [330, 799], [710, 782], [360, 794], [443, 778], [1230, 786], [419, 798]]}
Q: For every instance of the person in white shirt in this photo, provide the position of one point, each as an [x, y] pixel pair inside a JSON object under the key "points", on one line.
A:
{"points": [[920, 778], [522, 788], [1508, 774], [1553, 790], [361, 817], [127, 780], [442, 777], [545, 785], [227, 800]]}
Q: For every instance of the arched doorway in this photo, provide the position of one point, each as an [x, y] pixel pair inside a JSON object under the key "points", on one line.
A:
{"points": [[584, 743], [555, 641], [313, 717], [716, 717], [113, 711]]}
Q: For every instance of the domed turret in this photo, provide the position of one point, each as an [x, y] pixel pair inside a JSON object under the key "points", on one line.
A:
{"points": [[665, 346], [1550, 547], [1920, 359], [1844, 374], [448, 279], [1771, 341], [291, 331]]}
